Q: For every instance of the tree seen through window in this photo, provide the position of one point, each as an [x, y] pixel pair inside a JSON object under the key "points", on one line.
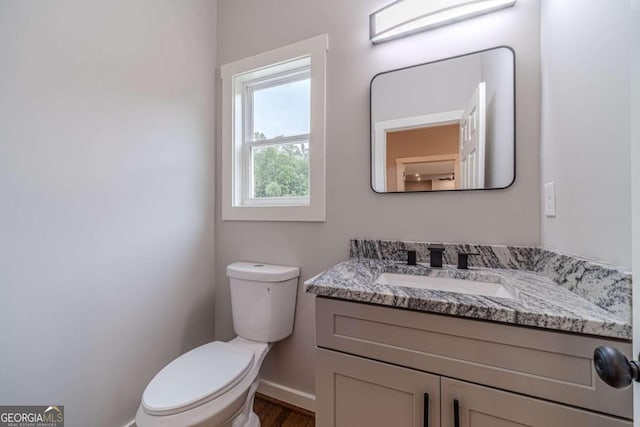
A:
{"points": [[280, 170]]}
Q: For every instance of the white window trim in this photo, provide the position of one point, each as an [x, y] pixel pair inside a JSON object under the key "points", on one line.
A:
{"points": [[233, 74]]}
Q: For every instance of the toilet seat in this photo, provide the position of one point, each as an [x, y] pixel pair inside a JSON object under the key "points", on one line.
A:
{"points": [[197, 377], [221, 410]]}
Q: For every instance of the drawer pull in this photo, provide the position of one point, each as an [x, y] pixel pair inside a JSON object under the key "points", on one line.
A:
{"points": [[456, 413], [426, 410]]}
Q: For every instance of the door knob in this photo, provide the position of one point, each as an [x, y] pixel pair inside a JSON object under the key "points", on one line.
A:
{"points": [[614, 368]]}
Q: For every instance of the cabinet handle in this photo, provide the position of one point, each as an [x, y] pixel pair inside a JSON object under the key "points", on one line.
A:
{"points": [[456, 413], [614, 368], [426, 410]]}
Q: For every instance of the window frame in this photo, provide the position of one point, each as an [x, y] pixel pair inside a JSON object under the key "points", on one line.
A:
{"points": [[264, 70]]}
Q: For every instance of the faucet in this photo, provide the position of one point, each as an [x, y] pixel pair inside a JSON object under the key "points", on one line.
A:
{"points": [[435, 255]]}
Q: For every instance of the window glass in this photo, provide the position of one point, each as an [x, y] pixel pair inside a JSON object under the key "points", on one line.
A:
{"points": [[280, 170], [282, 110]]}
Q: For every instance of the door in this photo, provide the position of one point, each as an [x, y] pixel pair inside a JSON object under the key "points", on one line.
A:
{"points": [[472, 139], [635, 196], [355, 392], [479, 406]]}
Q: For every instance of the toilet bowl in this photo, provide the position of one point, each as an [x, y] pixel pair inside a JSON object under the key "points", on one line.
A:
{"points": [[215, 384]]}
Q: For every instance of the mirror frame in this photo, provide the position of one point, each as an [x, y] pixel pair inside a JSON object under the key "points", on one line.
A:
{"points": [[515, 129]]}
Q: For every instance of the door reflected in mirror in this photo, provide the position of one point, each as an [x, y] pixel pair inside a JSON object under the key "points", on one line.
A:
{"points": [[445, 125]]}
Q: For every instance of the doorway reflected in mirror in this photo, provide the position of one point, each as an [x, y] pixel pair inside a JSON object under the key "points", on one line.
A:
{"points": [[423, 159]]}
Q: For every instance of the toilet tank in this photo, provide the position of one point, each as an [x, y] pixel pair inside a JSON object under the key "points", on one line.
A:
{"points": [[263, 300]]}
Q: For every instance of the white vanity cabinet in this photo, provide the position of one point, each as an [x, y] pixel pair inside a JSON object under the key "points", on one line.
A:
{"points": [[379, 366]]}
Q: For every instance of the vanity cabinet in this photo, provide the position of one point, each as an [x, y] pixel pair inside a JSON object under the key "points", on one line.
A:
{"points": [[375, 364], [356, 392]]}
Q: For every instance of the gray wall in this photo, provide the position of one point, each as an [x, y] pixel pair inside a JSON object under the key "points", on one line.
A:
{"points": [[586, 49], [106, 212], [247, 27]]}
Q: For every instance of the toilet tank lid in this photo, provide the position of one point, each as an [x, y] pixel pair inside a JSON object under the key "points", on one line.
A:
{"points": [[261, 272]]}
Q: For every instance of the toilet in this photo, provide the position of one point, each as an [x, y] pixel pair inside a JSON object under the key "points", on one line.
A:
{"points": [[215, 384]]}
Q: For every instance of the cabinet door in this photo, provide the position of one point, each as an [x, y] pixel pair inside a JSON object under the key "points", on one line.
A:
{"points": [[355, 392], [486, 407]]}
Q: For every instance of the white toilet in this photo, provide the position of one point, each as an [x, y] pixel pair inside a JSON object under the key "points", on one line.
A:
{"points": [[214, 384]]}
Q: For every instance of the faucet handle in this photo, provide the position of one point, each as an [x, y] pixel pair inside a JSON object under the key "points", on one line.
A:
{"points": [[412, 256], [463, 260]]}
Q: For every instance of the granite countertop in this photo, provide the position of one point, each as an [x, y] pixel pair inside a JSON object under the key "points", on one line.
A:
{"points": [[539, 301]]}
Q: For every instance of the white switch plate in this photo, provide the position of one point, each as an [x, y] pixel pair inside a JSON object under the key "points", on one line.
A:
{"points": [[550, 199]]}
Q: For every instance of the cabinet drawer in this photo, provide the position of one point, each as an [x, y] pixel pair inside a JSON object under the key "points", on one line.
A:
{"points": [[551, 365]]}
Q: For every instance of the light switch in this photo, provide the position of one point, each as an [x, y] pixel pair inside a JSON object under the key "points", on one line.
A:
{"points": [[550, 199]]}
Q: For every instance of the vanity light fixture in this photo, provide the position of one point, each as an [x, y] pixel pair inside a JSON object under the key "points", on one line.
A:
{"points": [[405, 17]]}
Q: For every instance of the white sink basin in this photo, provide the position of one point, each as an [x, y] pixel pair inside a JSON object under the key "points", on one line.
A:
{"points": [[469, 287]]}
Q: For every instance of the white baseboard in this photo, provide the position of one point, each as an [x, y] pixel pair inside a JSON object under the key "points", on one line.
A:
{"points": [[288, 395], [131, 423]]}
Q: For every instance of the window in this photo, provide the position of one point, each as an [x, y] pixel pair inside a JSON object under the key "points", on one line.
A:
{"points": [[276, 139], [273, 135]]}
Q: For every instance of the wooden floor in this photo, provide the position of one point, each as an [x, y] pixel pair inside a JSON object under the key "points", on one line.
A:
{"points": [[273, 413]]}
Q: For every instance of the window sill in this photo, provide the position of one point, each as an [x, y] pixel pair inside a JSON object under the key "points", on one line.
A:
{"points": [[273, 213]]}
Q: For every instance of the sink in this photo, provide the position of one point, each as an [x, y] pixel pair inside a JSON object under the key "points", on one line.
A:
{"points": [[462, 286]]}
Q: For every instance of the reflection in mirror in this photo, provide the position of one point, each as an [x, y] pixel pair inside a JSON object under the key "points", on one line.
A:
{"points": [[446, 125]]}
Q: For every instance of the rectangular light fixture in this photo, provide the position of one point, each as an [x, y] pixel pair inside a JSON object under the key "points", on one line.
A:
{"points": [[405, 17]]}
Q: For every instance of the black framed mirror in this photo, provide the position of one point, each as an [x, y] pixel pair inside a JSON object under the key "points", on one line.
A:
{"points": [[447, 125]]}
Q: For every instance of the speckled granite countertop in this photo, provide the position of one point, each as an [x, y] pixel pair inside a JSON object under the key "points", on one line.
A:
{"points": [[539, 300]]}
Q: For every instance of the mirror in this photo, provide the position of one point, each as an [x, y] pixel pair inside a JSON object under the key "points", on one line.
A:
{"points": [[445, 125]]}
